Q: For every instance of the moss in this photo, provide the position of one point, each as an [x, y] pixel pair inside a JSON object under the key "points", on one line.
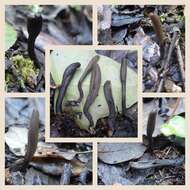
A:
{"points": [[8, 79], [25, 69]]}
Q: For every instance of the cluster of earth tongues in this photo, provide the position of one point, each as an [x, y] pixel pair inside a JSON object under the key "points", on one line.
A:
{"points": [[110, 70]]}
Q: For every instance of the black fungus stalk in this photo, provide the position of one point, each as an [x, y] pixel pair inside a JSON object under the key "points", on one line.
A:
{"points": [[157, 25], [150, 128], [21, 164], [123, 76], [67, 76], [34, 26], [111, 106], [87, 70], [32, 138], [158, 29], [95, 82]]}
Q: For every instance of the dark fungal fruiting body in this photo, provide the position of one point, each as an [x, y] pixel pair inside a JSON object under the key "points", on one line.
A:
{"points": [[150, 128], [32, 143], [34, 26], [95, 82], [111, 106], [88, 69], [157, 25], [32, 138], [86, 72], [66, 79], [123, 76]]}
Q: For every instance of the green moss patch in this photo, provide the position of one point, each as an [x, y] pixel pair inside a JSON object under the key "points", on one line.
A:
{"points": [[26, 71]]}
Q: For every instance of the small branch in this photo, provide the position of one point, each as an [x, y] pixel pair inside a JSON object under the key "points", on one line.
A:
{"points": [[181, 66], [165, 66], [157, 163]]}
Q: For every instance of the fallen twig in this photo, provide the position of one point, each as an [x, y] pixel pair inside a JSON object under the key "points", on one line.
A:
{"points": [[166, 64], [181, 66], [157, 163]]}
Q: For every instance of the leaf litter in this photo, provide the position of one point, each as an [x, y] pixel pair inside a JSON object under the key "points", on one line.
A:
{"points": [[51, 163], [160, 30], [162, 163]]}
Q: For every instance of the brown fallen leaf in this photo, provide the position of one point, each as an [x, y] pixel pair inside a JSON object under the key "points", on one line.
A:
{"points": [[56, 167]]}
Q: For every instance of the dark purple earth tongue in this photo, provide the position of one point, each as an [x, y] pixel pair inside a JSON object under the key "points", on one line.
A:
{"points": [[34, 26]]}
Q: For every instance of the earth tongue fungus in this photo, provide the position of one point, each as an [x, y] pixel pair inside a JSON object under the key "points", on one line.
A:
{"points": [[67, 76], [88, 69], [34, 26], [166, 50], [158, 29], [123, 75], [150, 128], [28, 72], [111, 106], [93, 93], [21, 164], [95, 82], [99, 96]]}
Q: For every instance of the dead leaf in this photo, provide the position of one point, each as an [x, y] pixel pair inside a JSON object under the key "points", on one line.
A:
{"points": [[16, 139], [114, 153], [34, 177], [111, 175]]}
